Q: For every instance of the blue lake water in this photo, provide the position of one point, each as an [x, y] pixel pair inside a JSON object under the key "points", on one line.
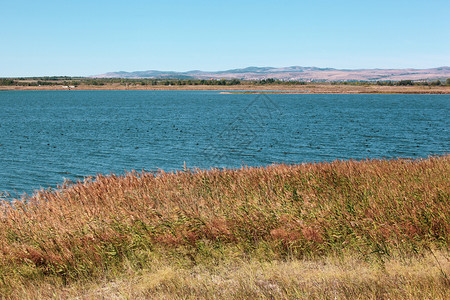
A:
{"points": [[48, 136]]}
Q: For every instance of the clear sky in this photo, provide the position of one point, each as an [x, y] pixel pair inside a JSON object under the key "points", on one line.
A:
{"points": [[83, 37]]}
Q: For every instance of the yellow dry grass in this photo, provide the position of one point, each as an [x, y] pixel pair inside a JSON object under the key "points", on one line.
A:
{"points": [[325, 278]]}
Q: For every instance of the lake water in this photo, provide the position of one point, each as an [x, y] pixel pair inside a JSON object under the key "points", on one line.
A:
{"points": [[48, 136]]}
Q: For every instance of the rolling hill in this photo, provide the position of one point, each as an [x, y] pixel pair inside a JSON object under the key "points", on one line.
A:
{"points": [[293, 73]]}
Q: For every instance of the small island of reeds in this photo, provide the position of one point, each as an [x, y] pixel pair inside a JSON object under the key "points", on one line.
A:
{"points": [[344, 229]]}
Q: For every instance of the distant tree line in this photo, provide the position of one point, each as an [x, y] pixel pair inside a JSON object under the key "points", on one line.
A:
{"points": [[7, 82], [412, 83], [76, 81], [278, 82]]}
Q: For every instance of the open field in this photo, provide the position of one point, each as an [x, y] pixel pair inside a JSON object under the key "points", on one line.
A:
{"points": [[308, 88], [367, 229]]}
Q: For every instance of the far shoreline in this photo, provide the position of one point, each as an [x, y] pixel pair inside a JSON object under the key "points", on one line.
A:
{"points": [[272, 89]]}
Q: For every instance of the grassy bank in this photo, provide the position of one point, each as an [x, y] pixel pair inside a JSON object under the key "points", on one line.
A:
{"points": [[376, 228], [309, 88]]}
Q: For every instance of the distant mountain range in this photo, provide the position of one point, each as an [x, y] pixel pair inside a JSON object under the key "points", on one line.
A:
{"points": [[293, 73]]}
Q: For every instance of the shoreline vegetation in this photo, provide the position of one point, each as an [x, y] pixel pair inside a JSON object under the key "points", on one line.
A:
{"points": [[265, 85], [370, 229]]}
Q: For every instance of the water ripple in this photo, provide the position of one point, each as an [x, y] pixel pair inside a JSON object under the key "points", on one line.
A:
{"points": [[48, 136]]}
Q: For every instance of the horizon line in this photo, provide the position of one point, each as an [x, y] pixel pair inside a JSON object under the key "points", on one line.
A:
{"points": [[223, 70]]}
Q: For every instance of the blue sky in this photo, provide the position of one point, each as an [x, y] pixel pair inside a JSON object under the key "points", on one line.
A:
{"points": [[81, 37]]}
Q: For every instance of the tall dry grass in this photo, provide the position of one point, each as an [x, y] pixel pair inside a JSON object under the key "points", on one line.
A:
{"points": [[375, 209]]}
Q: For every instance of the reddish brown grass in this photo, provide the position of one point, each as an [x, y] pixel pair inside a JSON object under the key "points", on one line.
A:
{"points": [[373, 207]]}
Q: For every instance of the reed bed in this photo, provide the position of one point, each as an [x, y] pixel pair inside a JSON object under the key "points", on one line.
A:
{"points": [[373, 210]]}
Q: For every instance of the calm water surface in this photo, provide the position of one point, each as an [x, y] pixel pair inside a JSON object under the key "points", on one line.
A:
{"points": [[48, 136]]}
